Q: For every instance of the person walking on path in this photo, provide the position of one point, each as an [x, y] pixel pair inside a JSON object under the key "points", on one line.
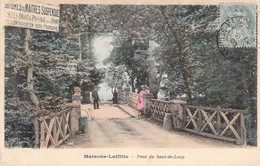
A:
{"points": [[140, 101], [95, 98], [115, 97]]}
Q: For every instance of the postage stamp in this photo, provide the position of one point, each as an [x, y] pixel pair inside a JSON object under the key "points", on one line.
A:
{"points": [[237, 34], [238, 26]]}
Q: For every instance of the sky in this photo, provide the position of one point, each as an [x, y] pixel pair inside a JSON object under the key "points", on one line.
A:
{"points": [[102, 49]]}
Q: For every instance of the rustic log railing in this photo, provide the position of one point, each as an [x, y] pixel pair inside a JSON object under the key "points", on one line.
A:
{"points": [[54, 129], [219, 123], [133, 97], [159, 108]]}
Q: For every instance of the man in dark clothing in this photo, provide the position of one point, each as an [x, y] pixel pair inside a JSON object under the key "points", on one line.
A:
{"points": [[115, 97], [95, 99]]}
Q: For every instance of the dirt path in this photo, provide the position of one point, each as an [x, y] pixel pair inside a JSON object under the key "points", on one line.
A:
{"points": [[113, 126]]}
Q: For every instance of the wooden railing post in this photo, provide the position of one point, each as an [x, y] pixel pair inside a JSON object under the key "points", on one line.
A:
{"points": [[218, 123], [36, 133], [42, 140], [177, 112], [243, 130], [147, 103], [55, 135], [184, 116], [199, 123]]}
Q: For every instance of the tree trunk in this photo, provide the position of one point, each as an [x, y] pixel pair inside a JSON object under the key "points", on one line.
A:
{"points": [[30, 84], [184, 72], [153, 81], [132, 83], [181, 60], [187, 85], [80, 47], [90, 43], [80, 81], [30, 69]]}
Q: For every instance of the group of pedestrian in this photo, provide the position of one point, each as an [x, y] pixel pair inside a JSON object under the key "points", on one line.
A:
{"points": [[96, 99], [139, 105]]}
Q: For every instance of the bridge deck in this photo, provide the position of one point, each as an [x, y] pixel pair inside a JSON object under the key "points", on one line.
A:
{"points": [[113, 126]]}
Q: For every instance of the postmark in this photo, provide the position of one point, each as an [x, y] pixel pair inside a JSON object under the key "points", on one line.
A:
{"points": [[236, 37]]}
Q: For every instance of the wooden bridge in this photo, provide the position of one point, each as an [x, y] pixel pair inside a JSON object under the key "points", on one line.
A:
{"points": [[119, 126], [166, 124]]}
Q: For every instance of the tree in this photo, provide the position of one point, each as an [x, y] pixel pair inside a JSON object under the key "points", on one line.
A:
{"points": [[115, 76], [132, 56], [175, 37], [195, 67], [83, 22], [49, 56], [135, 23], [29, 62]]}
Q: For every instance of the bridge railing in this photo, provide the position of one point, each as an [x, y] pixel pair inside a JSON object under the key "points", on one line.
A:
{"points": [[133, 98], [55, 128], [52, 130], [121, 95], [158, 108], [220, 123]]}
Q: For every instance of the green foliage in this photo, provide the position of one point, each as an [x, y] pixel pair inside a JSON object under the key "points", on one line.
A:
{"points": [[115, 76], [19, 131], [229, 85], [19, 115], [18, 123], [56, 68], [48, 105], [43, 58], [132, 56], [80, 19], [17, 106], [188, 56], [16, 86], [55, 61], [177, 47]]}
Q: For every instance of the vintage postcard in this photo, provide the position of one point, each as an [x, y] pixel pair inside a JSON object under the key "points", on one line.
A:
{"points": [[129, 83]]}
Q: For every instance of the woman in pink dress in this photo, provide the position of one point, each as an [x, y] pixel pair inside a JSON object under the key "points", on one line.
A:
{"points": [[140, 101]]}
